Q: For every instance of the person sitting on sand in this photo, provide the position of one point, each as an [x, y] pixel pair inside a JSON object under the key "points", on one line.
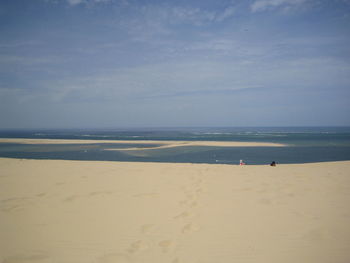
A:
{"points": [[241, 162], [273, 163]]}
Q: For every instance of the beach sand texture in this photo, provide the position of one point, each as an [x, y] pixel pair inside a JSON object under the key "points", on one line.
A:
{"points": [[120, 212]]}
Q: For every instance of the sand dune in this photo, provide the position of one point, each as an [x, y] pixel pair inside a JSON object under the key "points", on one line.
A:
{"points": [[103, 212]]}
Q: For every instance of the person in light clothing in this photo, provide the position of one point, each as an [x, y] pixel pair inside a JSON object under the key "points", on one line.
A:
{"points": [[241, 162]]}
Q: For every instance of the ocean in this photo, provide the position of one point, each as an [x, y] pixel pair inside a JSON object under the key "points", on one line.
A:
{"points": [[304, 145]]}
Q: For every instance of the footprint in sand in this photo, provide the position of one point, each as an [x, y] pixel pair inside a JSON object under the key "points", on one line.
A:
{"points": [[10, 208], [34, 258], [191, 227], [41, 195], [185, 214], [314, 235], [11, 200], [99, 193], [12, 204], [139, 245], [146, 195], [197, 183], [114, 258], [265, 201], [190, 196], [193, 204], [199, 191], [70, 198], [183, 202], [166, 245], [147, 228], [193, 177], [189, 203]]}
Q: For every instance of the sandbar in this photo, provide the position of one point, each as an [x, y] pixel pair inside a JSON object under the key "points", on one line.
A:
{"points": [[163, 144]]}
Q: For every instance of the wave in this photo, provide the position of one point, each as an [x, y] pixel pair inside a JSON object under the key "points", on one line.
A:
{"points": [[92, 135]]}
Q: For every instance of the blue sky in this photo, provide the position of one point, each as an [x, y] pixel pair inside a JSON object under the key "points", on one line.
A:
{"points": [[124, 63]]}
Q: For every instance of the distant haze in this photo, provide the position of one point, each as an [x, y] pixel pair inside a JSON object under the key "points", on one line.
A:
{"points": [[111, 63]]}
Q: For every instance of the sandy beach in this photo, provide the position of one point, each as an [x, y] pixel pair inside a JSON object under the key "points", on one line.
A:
{"points": [[104, 212]]}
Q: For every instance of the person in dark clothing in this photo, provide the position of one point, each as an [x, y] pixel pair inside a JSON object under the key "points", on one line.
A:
{"points": [[273, 163]]}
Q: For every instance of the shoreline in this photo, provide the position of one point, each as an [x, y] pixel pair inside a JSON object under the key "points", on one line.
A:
{"points": [[171, 163]]}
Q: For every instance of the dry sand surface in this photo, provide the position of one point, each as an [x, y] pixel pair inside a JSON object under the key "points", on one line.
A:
{"points": [[119, 212]]}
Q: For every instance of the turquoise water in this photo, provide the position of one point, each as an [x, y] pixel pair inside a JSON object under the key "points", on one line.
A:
{"points": [[304, 145]]}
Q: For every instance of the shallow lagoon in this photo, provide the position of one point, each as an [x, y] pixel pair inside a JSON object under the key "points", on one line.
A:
{"points": [[183, 154]]}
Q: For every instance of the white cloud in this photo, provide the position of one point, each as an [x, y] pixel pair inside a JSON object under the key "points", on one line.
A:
{"points": [[195, 16], [198, 16], [262, 5], [157, 17], [153, 24], [75, 2], [228, 12], [199, 78]]}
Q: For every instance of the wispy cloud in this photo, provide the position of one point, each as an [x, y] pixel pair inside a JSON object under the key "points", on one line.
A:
{"points": [[186, 59], [228, 12], [165, 23], [77, 2], [200, 78], [263, 5]]}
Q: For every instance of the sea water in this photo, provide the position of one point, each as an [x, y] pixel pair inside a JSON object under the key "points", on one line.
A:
{"points": [[303, 145]]}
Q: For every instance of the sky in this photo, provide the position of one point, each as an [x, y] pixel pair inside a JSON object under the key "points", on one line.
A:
{"points": [[184, 63]]}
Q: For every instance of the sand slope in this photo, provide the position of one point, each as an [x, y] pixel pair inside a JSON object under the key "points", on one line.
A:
{"points": [[103, 212]]}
